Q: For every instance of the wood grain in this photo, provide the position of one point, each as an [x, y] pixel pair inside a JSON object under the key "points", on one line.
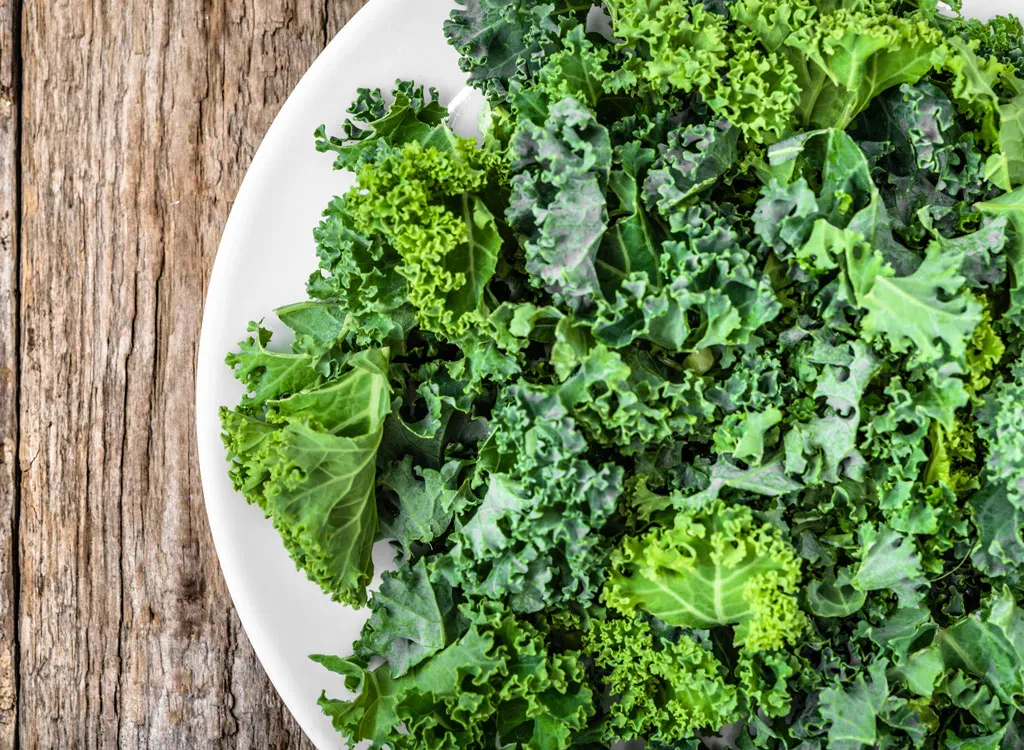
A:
{"points": [[137, 121], [9, 123]]}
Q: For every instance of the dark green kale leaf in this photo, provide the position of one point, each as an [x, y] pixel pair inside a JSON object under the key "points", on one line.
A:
{"points": [[499, 42], [376, 125], [535, 537], [558, 200], [501, 678]]}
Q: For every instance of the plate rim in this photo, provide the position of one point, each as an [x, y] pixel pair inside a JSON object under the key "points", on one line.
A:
{"points": [[229, 254]]}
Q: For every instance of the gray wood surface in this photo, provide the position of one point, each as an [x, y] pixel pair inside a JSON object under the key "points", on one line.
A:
{"points": [[9, 120], [125, 129]]}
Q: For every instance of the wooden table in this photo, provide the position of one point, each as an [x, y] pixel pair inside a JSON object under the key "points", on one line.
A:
{"points": [[125, 129]]}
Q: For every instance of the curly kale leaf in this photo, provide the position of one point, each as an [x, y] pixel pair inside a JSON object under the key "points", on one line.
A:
{"points": [[989, 92], [500, 678], [818, 182], [852, 712], [558, 202], [694, 158], [989, 645], [776, 66], [845, 59], [1000, 525], [889, 560], [918, 310], [267, 374], [918, 124], [681, 43], [307, 460], [320, 330], [1010, 206], [632, 244], [632, 402], [415, 242], [375, 125], [428, 205], [685, 46], [426, 501], [768, 478], [500, 41], [708, 290], [1002, 430], [579, 70], [823, 447], [358, 273], [922, 308], [711, 568], [535, 539], [1005, 168], [660, 690], [412, 618], [895, 442], [839, 169]]}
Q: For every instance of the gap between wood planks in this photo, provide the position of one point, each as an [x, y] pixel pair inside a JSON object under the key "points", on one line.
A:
{"points": [[10, 334]]}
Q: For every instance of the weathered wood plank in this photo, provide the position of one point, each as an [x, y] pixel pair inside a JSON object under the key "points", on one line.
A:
{"points": [[338, 13], [139, 121], [9, 114]]}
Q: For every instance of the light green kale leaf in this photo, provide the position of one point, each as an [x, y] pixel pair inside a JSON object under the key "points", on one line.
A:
{"points": [[923, 310], [579, 70], [852, 712], [990, 92], [717, 566], [686, 46], [661, 690], [845, 59], [320, 330], [683, 44], [310, 465], [1005, 168], [770, 67], [428, 205]]}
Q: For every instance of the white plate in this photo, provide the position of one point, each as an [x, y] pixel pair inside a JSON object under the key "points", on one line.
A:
{"points": [[265, 256]]}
